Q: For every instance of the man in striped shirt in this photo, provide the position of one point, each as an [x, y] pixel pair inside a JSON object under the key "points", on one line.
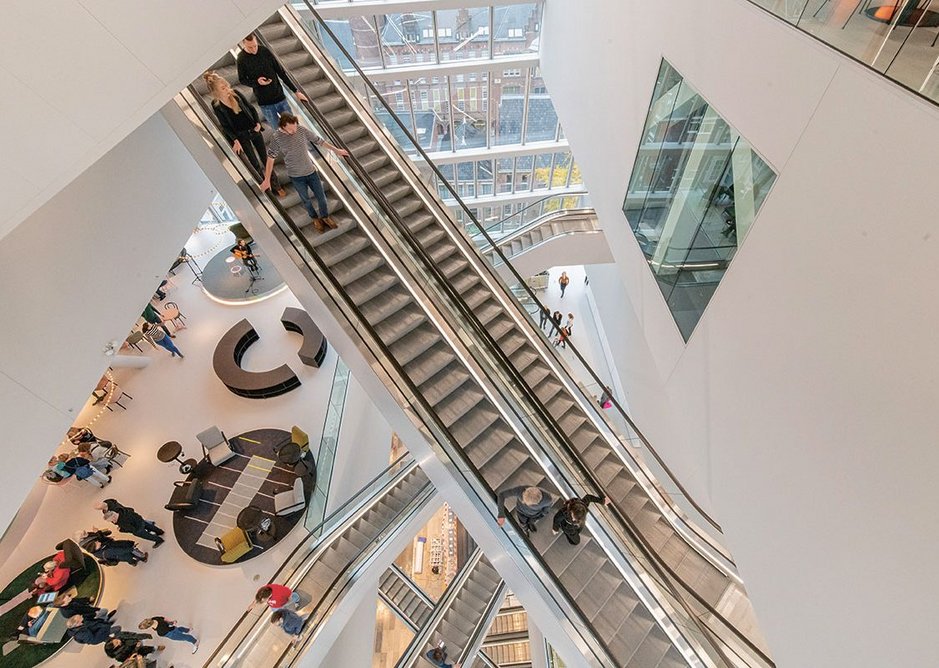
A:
{"points": [[292, 143]]}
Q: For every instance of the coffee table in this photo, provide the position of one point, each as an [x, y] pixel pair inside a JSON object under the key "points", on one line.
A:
{"points": [[172, 451]]}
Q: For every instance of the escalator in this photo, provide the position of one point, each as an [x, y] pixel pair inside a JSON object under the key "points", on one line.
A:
{"points": [[400, 594], [461, 617], [487, 387], [326, 566]]}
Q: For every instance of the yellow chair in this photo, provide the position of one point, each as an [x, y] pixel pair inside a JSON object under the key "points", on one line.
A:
{"points": [[234, 545], [300, 438]]}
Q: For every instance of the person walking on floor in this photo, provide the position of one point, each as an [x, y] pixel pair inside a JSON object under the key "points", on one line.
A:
{"points": [[570, 518], [292, 142], [151, 315], [241, 125], [275, 596], [109, 551], [544, 317], [122, 648], [135, 525], [159, 337], [556, 318], [563, 281], [260, 70], [531, 504], [167, 628], [561, 338], [130, 521]]}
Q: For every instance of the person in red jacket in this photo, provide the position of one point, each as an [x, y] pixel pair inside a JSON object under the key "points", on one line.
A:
{"points": [[275, 596], [53, 578]]}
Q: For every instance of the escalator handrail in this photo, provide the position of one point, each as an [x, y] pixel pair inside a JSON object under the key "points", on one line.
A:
{"points": [[482, 232], [412, 394], [540, 200], [643, 545]]}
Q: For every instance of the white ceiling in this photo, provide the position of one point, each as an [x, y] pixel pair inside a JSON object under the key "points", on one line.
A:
{"points": [[79, 76]]}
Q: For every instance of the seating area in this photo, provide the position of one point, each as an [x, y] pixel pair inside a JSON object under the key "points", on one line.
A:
{"points": [[251, 384], [313, 351], [244, 496], [22, 651]]}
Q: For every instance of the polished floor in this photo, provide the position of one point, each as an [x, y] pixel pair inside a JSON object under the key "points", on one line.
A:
{"points": [[174, 399]]}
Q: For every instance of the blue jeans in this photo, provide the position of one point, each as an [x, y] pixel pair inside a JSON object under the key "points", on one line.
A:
{"points": [[272, 112], [167, 343], [181, 633], [314, 183]]}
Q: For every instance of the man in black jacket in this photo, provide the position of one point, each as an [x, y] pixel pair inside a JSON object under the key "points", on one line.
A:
{"points": [[260, 70], [130, 521]]}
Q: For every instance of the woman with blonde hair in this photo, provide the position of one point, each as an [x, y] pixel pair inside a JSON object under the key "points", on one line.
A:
{"points": [[240, 123]]}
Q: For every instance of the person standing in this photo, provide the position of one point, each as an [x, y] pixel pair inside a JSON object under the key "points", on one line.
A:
{"points": [[128, 516], [240, 124], [111, 552], [132, 523], [167, 628], [292, 142], [545, 317], [570, 518], [531, 504], [122, 648], [569, 324], [563, 281], [159, 337], [290, 622], [259, 70], [556, 318], [151, 315], [438, 657], [275, 596]]}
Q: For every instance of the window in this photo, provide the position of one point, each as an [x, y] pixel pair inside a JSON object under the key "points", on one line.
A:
{"points": [[516, 32], [484, 30], [444, 32], [511, 73], [427, 33], [695, 190]]}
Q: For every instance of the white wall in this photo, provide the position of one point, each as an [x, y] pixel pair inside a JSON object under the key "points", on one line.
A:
{"points": [[79, 75], [77, 274], [808, 390]]}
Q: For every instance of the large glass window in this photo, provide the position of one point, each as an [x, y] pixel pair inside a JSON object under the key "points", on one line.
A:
{"points": [[695, 189], [516, 29]]}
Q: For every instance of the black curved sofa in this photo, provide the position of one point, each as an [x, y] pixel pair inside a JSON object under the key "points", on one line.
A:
{"points": [[313, 351], [251, 384]]}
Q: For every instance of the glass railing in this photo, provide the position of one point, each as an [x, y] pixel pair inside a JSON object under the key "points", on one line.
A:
{"points": [[897, 39], [326, 452]]}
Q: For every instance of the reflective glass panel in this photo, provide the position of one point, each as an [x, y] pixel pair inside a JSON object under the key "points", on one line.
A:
{"points": [[516, 29], [695, 189], [463, 33], [407, 38], [542, 118], [470, 108], [430, 98], [359, 37]]}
